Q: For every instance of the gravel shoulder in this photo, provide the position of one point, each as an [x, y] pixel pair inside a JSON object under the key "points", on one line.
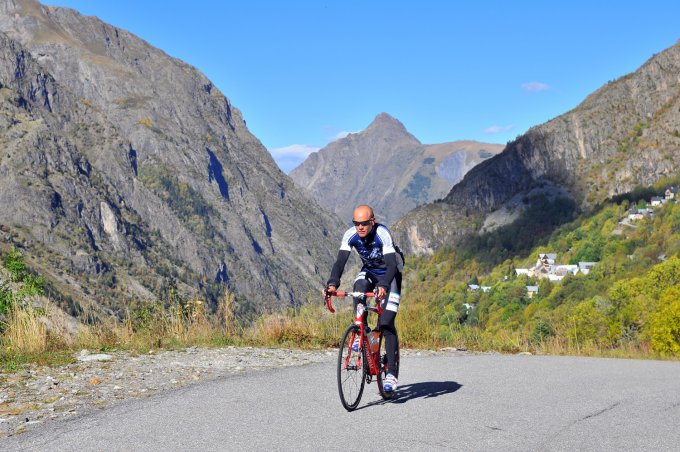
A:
{"points": [[39, 394], [36, 395]]}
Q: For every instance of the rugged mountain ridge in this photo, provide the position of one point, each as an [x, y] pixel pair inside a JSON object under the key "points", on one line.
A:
{"points": [[625, 134], [125, 173], [387, 167]]}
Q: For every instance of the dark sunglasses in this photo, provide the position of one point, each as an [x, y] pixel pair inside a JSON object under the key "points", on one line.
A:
{"points": [[362, 223]]}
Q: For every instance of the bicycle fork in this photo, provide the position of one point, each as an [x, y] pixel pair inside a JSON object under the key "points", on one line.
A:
{"points": [[372, 358]]}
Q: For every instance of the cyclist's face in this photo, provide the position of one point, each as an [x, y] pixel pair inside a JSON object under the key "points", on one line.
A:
{"points": [[363, 222]]}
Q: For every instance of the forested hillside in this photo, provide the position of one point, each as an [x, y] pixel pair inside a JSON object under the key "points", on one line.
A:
{"points": [[630, 300]]}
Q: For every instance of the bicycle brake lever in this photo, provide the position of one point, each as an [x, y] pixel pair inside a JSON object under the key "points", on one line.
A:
{"points": [[329, 305]]}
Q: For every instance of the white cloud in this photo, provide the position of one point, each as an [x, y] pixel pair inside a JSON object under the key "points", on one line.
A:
{"points": [[533, 87], [498, 129], [294, 150], [289, 157]]}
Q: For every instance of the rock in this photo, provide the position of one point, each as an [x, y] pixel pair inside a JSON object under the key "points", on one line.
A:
{"points": [[96, 357]]}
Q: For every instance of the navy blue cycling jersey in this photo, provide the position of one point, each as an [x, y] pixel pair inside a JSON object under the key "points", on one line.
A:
{"points": [[371, 248]]}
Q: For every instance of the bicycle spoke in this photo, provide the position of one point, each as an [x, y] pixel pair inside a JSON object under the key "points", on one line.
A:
{"points": [[351, 372]]}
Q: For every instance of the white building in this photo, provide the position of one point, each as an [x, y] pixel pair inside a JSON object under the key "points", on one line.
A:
{"points": [[585, 267], [532, 290]]}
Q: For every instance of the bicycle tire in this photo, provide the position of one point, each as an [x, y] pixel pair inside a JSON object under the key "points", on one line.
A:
{"points": [[351, 378], [383, 371]]}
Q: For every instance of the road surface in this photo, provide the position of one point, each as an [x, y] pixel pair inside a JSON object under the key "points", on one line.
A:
{"points": [[445, 402]]}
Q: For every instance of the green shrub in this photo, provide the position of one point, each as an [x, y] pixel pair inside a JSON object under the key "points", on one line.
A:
{"points": [[664, 324], [14, 264], [541, 332], [587, 324], [6, 299]]}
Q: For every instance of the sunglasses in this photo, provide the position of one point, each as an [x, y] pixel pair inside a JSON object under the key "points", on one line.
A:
{"points": [[362, 223]]}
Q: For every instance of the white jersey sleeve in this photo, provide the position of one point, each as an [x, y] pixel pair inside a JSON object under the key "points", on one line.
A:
{"points": [[345, 246], [386, 238]]}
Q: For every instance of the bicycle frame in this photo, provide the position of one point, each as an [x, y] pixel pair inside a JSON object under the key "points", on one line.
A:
{"points": [[364, 360], [373, 358]]}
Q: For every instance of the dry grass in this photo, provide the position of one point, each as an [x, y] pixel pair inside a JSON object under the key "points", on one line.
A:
{"points": [[26, 331], [225, 314], [311, 326], [189, 324]]}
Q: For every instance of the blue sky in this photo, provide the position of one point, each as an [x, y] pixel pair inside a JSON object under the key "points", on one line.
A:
{"points": [[304, 73]]}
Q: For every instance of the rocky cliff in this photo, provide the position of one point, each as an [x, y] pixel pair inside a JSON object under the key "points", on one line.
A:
{"points": [[625, 134], [125, 172], [388, 168]]}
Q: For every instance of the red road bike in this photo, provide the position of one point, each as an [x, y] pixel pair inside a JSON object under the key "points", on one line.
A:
{"points": [[356, 368]]}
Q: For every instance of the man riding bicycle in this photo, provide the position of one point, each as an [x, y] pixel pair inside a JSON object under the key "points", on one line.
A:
{"points": [[382, 267]]}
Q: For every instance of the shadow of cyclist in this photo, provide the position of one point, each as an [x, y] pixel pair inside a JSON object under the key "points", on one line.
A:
{"points": [[423, 390]]}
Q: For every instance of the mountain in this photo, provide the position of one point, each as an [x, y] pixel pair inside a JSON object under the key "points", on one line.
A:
{"points": [[626, 299], [388, 168], [626, 134], [126, 174]]}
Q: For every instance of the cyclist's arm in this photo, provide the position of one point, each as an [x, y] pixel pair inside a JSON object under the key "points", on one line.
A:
{"points": [[390, 273], [338, 268]]}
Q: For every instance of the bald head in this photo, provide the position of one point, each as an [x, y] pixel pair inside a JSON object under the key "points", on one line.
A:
{"points": [[362, 213], [363, 220]]}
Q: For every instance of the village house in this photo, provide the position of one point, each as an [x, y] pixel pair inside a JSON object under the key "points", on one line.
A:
{"points": [[543, 266], [546, 268], [638, 214], [670, 193], [558, 272], [657, 201], [476, 287], [584, 267], [548, 258], [531, 291]]}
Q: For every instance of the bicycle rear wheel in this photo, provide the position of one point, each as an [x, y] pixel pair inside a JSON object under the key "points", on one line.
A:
{"points": [[383, 370], [351, 370]]}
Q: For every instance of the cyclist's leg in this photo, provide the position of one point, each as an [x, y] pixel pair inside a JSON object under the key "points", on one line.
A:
{"points": [[387, 326], [364, 282]]}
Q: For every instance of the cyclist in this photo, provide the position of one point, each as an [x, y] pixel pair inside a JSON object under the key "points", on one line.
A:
{"points": [[382, 266]]}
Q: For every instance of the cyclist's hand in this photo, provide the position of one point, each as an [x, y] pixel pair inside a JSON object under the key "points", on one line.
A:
{"points": [[329, 290], [380, 296]]}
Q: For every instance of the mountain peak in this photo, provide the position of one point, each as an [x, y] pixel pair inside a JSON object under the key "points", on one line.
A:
{"points": [[384, 120], [390, 128], [396, 174]]}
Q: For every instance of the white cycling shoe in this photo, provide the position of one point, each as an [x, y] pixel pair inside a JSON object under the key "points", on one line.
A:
{"points": [[390, 383]]}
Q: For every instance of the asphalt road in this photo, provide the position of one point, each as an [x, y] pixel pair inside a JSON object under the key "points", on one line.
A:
{"points": [[445, 402]]}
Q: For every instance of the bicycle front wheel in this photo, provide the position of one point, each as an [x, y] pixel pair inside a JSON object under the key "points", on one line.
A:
{"points": [[351, 370]]}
